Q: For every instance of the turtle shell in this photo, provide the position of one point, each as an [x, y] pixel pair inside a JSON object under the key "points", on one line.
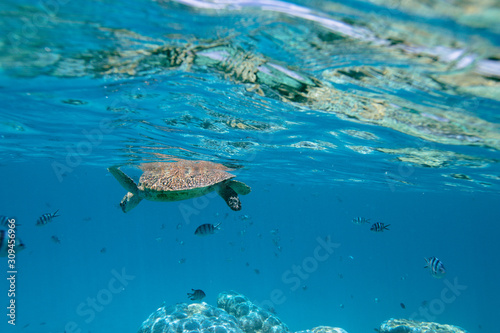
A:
{"points": [[185, 176]]}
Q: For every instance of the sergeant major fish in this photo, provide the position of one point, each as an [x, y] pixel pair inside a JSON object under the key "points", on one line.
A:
{"points": [[4, 244], [435, 266], [196, 295], [379, 227], [360, 220], [46, 218], [4, 220], [206, 229]]}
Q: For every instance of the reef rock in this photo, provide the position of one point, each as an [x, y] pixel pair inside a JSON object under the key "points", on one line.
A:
{"points": [[412, 326], [250, 317], [234, 314], [193, 318], [324, 329]]}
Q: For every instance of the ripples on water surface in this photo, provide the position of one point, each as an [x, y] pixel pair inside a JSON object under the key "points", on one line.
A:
{"points": [[380, 88], [396, 94]]}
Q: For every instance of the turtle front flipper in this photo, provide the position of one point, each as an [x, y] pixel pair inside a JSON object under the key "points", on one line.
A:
{"points": [[132, 198], [230, 196], [123, 179], [239, 187]]}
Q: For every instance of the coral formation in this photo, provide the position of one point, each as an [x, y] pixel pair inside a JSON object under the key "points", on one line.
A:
{"points": [[235, 313], [251, 317], [197, 317], [412, 326], [324, 329]]}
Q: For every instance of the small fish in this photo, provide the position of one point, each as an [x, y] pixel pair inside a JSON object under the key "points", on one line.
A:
{"points": [[4, 220], [46, 218], [402, 305], [4, 244], [271, 309], [196, 295], [360, 220], [206, 229], [103, 250], [55, 239], [435, 266], [379, 227]]}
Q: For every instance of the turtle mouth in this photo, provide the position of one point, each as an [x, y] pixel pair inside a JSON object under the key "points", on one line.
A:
{"points": [[123, 206], [234, 203]]}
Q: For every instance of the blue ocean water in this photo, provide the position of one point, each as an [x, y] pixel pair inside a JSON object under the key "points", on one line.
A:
{"points": [[327, 110]]}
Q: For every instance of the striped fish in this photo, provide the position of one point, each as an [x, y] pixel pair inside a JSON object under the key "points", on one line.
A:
{"points": [[46, 218], [4, 244], [196, 295], [206, 229], [436, 267], [379, 227], [4, 221], [360, 220]]}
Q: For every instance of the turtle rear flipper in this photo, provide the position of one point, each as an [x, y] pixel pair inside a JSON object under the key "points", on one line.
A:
{"points": [[229, 196], [129, 201], [239, 187], [123, 179]]}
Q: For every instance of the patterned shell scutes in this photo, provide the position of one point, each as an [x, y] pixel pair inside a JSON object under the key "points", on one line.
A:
{"points": [[182, 175]]}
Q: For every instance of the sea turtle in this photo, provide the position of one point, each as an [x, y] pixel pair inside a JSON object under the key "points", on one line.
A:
{"points": [[180, 180]]}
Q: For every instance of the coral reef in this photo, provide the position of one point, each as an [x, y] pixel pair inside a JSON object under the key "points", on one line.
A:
{"points": [[234, 314], [197, 317], [412, 326], [324, 329], [251, 317]]}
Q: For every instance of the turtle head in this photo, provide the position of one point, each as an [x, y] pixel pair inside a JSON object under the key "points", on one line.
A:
{"points": [[229, 196], [234, 202], [129, 201]]}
